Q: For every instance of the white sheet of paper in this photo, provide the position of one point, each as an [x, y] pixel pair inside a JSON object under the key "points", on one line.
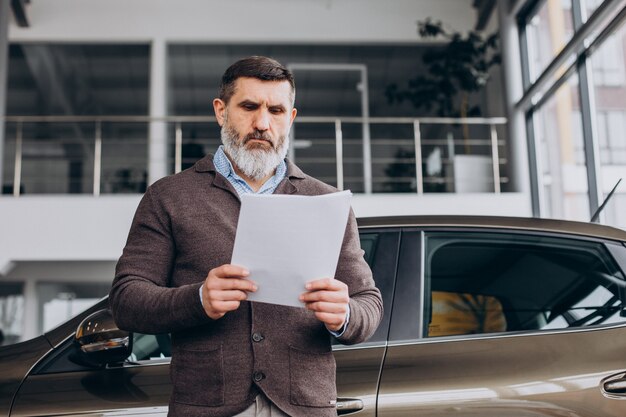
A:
{"points": [[287, 240]]}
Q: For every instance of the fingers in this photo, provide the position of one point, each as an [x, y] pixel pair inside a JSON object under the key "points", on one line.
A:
{"points": [[329, 299], [325, 284], [230, 271], [225, 284], [332, 308], [333, 322], [229, 277], [326, 289], [329, 296], [223, 307], [224, 288]]}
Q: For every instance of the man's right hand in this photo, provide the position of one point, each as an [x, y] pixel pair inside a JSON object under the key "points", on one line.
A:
{"points": [[224, 288]]}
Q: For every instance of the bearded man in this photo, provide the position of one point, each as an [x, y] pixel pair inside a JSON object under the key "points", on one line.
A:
{"points": [[231, 356]]}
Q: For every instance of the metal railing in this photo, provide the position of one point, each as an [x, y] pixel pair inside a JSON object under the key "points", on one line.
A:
{"points": [[337, 156]]}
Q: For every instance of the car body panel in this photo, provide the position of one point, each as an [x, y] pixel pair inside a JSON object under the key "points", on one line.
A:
{"points": [[518, 374], [538, 375], [142, 386], [86, 392], [400, 371], [17, 360]]}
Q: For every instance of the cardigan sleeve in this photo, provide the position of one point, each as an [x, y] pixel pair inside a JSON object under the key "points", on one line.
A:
{"points": [[140, 297], [366, 306]]}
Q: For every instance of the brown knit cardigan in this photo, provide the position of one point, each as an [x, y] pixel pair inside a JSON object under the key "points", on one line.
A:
{"points": [[185, 226]]}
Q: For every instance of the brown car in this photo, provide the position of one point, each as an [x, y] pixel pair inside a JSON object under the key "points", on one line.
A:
{"points": [[484, 317]]}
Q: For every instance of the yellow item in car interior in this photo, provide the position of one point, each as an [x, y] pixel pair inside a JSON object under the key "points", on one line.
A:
{"points": [[457, 313]]}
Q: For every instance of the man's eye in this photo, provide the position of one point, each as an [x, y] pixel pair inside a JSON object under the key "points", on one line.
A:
{"points": [[249, 106], [276, 110]]}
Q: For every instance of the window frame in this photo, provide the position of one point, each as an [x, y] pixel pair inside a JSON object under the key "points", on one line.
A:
{"points": [[557, 73], [411, 290]]}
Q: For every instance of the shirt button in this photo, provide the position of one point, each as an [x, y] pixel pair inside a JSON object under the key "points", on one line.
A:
{"points": [[257, 337], [258, 376]]}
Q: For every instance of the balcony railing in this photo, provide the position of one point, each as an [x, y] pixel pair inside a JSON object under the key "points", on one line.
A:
{"points": [[110, 155]]}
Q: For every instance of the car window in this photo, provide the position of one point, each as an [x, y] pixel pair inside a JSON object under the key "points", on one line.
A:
{"points": [[381, 253], [497, 282], [368, 244], [150, 347]]}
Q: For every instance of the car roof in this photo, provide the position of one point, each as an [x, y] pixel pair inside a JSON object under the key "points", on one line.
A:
{"points": [[497, 222]]}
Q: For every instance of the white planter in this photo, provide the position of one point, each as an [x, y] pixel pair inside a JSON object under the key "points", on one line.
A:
{"points": [[473, 174]]}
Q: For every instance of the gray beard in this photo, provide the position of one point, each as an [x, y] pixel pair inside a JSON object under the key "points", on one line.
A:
{"points": [[254, 163]]}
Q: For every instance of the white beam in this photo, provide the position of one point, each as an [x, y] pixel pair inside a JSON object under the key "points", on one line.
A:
{"points": [[157, 145], [4, 69], [513, 91], [292, 21]]}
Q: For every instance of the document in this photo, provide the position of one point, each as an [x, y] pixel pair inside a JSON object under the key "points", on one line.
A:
{"points": [[286, 241]]}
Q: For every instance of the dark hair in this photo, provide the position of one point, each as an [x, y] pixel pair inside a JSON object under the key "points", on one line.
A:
{"points": [[259, 67]]}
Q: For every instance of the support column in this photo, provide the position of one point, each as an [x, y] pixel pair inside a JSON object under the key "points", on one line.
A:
{"points": [[4, 69], [518, 154], [157, 145], [31, 310]]}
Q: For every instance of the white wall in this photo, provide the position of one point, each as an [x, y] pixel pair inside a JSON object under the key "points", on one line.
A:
{"points": [[63, 228], [232, 21], [85, 228], [505, 204]]}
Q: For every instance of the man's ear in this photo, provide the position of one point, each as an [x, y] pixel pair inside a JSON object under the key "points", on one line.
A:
{"points": [[294, 111], [220, 108]]}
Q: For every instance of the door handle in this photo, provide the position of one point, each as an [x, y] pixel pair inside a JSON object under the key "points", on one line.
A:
{"points": [[614, 386], [348, 405]]}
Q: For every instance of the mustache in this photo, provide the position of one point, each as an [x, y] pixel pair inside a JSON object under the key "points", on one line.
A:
{"points": [[257, 134]]}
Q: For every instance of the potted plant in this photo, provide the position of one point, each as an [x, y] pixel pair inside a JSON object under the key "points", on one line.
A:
{"points": [[453, 72]]}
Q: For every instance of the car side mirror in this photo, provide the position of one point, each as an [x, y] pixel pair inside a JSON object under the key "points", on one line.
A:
{"points": [[100, 341]]}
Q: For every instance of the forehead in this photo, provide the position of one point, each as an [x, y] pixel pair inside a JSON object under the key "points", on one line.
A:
{"points": [[259, 91]]}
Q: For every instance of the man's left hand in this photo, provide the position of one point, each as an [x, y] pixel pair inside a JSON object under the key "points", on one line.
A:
{"points": [[329, 299]]}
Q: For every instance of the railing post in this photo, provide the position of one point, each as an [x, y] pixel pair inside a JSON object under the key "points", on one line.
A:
{"points": [[418, 157], [339, 153], [17, 168], [97, 159], [495, 159], [178, 149]]}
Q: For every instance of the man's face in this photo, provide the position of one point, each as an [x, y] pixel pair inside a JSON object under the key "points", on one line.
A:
{"points": [[255, 124]]}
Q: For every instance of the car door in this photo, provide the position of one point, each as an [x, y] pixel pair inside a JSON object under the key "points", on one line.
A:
{"points": [[506, 323], [358, 366], [58, 385]]}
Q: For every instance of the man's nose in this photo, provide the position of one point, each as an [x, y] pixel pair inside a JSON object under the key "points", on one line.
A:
{"points": [[262, 120]]}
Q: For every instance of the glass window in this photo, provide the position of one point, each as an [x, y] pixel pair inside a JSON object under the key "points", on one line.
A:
{"points": [[590, 6], [86, 80], [124, 157], [59, 302], [381, 253], [608, 63], [495, 282], [7, 177], [11, 312], [194, 73], [150, 347], [368, 244], [78, 79], [560, 149], [547, 32]]}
